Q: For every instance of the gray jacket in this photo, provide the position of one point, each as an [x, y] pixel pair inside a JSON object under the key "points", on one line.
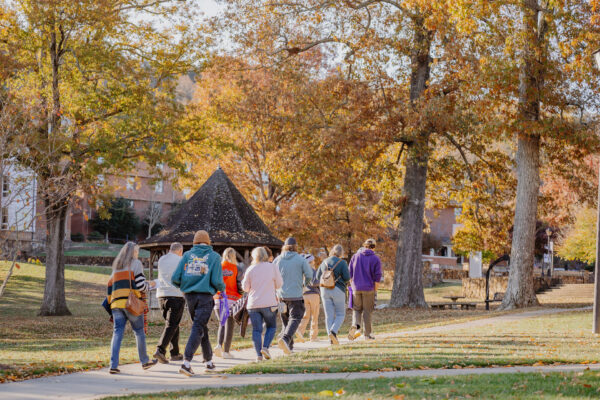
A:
{"points": [[294, 270]]}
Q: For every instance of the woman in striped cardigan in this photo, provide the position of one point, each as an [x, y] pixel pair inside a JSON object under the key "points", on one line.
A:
{"points": [[127, 276]]}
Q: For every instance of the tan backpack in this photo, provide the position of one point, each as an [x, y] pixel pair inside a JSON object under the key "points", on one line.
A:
{"points": [[328, 278]]}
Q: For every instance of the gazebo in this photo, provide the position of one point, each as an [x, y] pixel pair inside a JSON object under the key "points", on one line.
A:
{"points": [[219, 208]]}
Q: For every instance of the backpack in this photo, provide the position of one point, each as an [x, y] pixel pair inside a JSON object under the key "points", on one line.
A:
{"points": [[328, 278]]}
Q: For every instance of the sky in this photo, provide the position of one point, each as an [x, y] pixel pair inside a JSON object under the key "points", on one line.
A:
{"points": [[209, 7]]}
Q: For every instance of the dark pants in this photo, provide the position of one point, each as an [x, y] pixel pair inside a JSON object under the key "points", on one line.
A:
{"points": [[291, 319], [172, 311], [200, 306]]}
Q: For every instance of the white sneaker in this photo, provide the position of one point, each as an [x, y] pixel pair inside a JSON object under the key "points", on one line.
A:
{"points": [[218, 350], [266, 354], [259, 359], [352, 333], [227, 355]]}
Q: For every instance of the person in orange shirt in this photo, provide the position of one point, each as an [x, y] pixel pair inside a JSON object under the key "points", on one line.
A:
{"points": [[232, 275]]}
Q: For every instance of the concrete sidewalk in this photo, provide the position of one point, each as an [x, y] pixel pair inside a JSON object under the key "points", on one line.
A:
{"points": [[98, 384]]}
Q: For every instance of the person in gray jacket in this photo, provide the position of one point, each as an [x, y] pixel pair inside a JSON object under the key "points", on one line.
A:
{"points": [[294, 270]]}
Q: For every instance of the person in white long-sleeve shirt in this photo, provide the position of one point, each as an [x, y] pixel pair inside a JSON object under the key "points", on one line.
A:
{"points": [[172, 305], [261, 282]]}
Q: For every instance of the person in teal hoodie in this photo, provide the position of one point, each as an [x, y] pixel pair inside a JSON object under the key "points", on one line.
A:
{"points": [[294, 270], [200, 277]]}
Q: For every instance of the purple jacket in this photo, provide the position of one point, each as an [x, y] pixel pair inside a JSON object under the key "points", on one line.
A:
{"points": [[365, 270]]}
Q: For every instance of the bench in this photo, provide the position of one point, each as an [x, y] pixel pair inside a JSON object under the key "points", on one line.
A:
{"points": [[453, 305]]}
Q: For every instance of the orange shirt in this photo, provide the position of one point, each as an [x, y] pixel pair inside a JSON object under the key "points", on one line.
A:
{"points": [[230, 275]]}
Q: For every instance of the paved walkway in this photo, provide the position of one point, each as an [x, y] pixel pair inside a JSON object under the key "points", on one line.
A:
{"points": [[98, 384]]}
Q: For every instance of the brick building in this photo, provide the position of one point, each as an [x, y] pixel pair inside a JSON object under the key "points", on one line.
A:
{"points": [[443, 224], [142, 188]]}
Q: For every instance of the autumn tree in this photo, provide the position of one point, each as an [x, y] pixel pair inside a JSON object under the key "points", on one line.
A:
{"points": [[102, 73], [579, 242], [409, 53], [536, 74], [285, 135]]}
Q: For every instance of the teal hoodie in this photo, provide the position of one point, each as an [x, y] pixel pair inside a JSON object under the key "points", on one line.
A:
{"points": [[294, 270], [199, 271]]}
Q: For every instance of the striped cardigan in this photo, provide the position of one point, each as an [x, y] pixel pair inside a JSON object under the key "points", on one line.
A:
{"points": [[118, 284]]}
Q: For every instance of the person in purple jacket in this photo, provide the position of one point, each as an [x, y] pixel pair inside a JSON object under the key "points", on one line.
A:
{"points": [[365, 273]]}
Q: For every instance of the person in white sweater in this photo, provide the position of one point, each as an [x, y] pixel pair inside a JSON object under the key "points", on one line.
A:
{"points": [[261, 282], [172, 305]]}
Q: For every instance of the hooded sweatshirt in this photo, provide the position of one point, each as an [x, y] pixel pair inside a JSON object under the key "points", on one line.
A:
{"points": [[199, 271], [294, 270], [365, 270]]}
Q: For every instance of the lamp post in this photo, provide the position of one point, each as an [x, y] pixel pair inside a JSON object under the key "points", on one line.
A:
{"points": [[596, 330], [548, 233]]}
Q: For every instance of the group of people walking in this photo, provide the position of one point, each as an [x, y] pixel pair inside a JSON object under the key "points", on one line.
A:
{"points": [[290, 285]]}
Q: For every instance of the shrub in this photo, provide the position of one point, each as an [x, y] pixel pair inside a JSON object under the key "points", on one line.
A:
{"points": [[77, 237], [95, 236]]}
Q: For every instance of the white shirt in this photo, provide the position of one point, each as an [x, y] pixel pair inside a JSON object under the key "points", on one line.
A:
{"points": [[167, 264], [261, 282]]}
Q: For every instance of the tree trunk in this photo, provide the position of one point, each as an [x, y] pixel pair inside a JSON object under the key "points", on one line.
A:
{"points": [[54, 302], [520, 290], [408, 275], [408, 278], [11, 269]]}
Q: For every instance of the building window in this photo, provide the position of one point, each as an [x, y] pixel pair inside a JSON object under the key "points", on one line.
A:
{"points": [[160, 166], [5, 186], [457, 212], [100, 180], [130, 183], [4, 218], [159, 187]]}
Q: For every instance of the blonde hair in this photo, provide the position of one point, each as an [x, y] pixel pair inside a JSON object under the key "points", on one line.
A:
{"points": [[229, 255], [259, 254], [126, 255]]}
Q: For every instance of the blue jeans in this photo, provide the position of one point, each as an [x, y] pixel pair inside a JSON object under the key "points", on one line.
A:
{"points": [[257, 316], [334, 303], [200, 307], [120, 318]]}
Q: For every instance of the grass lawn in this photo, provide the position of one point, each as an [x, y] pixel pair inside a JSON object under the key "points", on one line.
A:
{"points": [[434, 294], [34, 346], [558, 338], [501, 386]]}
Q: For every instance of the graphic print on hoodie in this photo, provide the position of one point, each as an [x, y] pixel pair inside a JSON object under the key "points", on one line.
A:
{"points": [[197, 265]]}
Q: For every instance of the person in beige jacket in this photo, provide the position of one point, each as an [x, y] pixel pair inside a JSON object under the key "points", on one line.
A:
{"points": [[261, 281]]}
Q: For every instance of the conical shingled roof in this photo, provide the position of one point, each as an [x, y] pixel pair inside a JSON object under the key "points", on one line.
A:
{"points": [[219, 208]]}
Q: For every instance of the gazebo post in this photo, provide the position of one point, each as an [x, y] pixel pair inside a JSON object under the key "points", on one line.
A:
{"points": [[247, 257]]}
